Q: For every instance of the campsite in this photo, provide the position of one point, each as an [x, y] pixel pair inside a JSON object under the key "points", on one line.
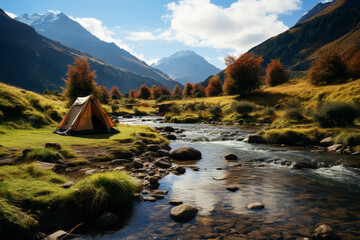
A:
{"points": [[180, 119]]}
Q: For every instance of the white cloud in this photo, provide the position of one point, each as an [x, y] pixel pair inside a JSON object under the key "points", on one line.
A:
{"points": [[200, 23], [10, 14]]}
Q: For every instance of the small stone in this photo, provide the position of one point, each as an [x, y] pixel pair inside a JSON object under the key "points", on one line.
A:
{"points": [[256, 205], [163, 152], [232, 188], [157, 196], [169, 129], [185, 153], [163, 162], [107, 220], [180, 169], [145, 192], [153, 147], [254, 138], [165, 146], [53, 146], [260, 165], [67, 185], [119, 161], [230, 156], [163, 192], [183, 212], [137, 163], [175, 202], [149, 199], [335, 147], [323, 232], [301, 165], [171, 137], [327, 142]]}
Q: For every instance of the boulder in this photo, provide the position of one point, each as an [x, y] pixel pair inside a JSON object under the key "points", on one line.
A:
{"points": [[256, 205], [175, 202], [140, 142], [301, 165], [183, 212], [137, 163], [53, 146], [324, 232], [180, 169], [153, 147], [163, 162], [154, 182], [157, 195], [168, 129], [150, 155], [107, 220], [335, 147], [230, 156], [254, 138], [165, 146], [185, 153], [232, 188], [171, 137], [163, 152], [327, 142]]}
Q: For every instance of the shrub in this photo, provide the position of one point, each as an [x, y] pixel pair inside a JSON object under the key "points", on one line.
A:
{"points": [[268, 111], [201, 106], [115, 93], [54, 115], [214, 88], [133, 93], [336, 114], [137, 112], [114, 107], [177, 91], [352, 61], [243, 74], [163, 98], [188, 89], [175, 109], [144, 92], [102, 94], [348, 138], [329, 68], [215, 110], [275, 73], [291, 103], [37, 121], [294, 114], [243, 107], [199, 95], [44, 155]]}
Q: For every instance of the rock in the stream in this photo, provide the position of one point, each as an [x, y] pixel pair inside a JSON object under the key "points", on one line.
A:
{"points": [[230, 156], [185, 153], [57, 235], [175, 202], [153, 147], [154, 182], [53, 146], [107, 220], [232, 188], [180, 169], [183, 212], [324, 232], [163, 162], [149, 199], [254, 138], [256, 205], [168, 129], [137, 163], [157, 195], [165, 146], [301, 165], [163, 152], [171, 136], [327, 142], [335, 147]]}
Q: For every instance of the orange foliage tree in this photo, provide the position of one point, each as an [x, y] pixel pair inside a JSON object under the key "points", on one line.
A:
{"points": [[214, 88], [115, 93], [352, 61], [198, 90], [275, 73], [156, 92], [80, 80], [144, 92], [133, 93], [102, 94], [243, 74], [328, 68], [187, 90], [177, 91]]}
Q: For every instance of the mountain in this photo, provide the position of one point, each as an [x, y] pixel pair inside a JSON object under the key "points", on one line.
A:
{"points": [[60, 27], [336, 25], [317, 9], [186, 66], [34, 62]]}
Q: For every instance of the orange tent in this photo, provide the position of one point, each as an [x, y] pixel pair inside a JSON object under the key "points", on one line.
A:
{"points": [[85, 116]]}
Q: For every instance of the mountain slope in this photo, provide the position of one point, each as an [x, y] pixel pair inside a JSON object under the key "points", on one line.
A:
{"points": [[60, 27], [295, 46], [186, 66], [34, 62], [314, 11]]}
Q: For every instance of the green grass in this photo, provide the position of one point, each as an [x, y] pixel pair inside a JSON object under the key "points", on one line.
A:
{"points": [[44, 155], [78, 162], [348, 138], [27, 192]]}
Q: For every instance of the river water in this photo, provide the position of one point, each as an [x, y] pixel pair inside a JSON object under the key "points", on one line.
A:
{"points": [[296, 201]]}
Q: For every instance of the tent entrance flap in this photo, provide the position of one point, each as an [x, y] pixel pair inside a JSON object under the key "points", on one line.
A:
{"points": [[85, 116]]}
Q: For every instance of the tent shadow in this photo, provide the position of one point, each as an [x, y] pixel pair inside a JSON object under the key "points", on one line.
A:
{"points": [[96, 136]]}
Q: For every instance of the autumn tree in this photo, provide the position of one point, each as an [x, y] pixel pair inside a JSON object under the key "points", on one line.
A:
{"points": [[187, 90], [133, 93], [102, 94], [328, 68], [144, 92], [275, 73], [352, 61], [115, 93], [177, 91], [157, 91], [80, 80], [214, 88], [198, 90], [243, 74]]}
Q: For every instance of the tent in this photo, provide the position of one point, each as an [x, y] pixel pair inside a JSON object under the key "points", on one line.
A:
{"points": [[84, 117]]}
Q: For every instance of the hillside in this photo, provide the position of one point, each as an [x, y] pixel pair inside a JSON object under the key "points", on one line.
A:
{"points": [[314, 11], [60, 27], [34, 62], [186, 66]]}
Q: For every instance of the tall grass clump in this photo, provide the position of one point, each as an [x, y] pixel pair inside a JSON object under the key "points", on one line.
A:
{"points": [[294, 114], [175, 109], [215, 110], [348, 138], [243, 107], [268, 111], [336, 114], [44, 155]]}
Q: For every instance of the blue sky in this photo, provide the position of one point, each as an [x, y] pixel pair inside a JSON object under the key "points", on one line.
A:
{"points": [[152, 29]]}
